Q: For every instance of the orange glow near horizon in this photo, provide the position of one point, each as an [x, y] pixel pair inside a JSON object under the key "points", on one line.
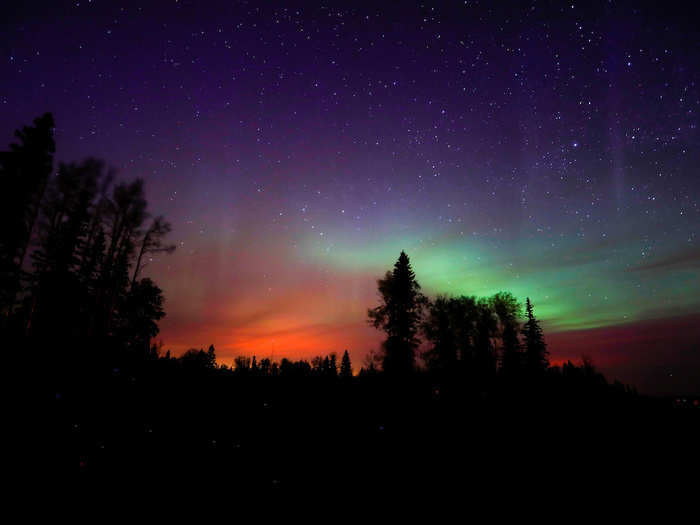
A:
{"points": [[611, 349], [290, 338], [250, 303]]}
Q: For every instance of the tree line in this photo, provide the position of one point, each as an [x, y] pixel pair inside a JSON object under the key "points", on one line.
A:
{"points": [[73, 247], [480, 343], [326, 367], [75, 242], [477, 337], [463, 339]]}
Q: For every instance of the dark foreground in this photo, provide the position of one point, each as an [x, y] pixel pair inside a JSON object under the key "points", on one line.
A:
{"points": [[156, 420]]}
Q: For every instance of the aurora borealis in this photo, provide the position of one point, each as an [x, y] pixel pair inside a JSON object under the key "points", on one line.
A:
{"points": [[550, 149]]}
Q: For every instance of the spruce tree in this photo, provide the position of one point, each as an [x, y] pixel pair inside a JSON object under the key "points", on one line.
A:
{"points": [[345, 366], [399, 315], [333, 366], [211, 357], [536, 355]]}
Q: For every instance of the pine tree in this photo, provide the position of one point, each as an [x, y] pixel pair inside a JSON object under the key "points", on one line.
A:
{"points": [[345, 366], [399, 316], [333, 366], [536, 355], [211, 357]]}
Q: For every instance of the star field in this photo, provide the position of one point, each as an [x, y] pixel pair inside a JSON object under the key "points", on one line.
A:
{"points": [[546, 148]]}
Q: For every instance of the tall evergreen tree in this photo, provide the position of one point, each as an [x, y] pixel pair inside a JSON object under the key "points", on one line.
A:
{"points": [[211, 357], [345, 366], [333, 365], [24, 175], [399, 315], [536, 355]]}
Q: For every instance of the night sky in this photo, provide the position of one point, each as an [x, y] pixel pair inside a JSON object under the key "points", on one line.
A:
{"points": [[546, 148]]}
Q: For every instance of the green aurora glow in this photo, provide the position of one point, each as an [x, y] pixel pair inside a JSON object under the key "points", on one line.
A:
{"points": [[573, 286]]}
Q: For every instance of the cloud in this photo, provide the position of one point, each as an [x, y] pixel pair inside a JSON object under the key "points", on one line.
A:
{"points": [[686, 259]]}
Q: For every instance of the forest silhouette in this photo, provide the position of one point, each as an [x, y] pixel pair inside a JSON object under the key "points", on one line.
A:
{"points": [[455, 377]]}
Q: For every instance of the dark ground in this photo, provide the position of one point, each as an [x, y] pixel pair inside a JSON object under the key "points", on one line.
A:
{"points": [[155, 420]]}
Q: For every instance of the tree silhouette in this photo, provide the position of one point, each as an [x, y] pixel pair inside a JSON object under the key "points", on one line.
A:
{"points": [[82, 236], [317, 365], [399, 316], [57, 289], [441, 330], [24, 175], [84, 297], [332, 369], [465, 313], [507, 309], [265, 366], [536, 359], [451, 326], [211, 357], [345, 366], [152, 243], [125, 213], [142, 309], [194, 359], [242, 364], [485, 330]]}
